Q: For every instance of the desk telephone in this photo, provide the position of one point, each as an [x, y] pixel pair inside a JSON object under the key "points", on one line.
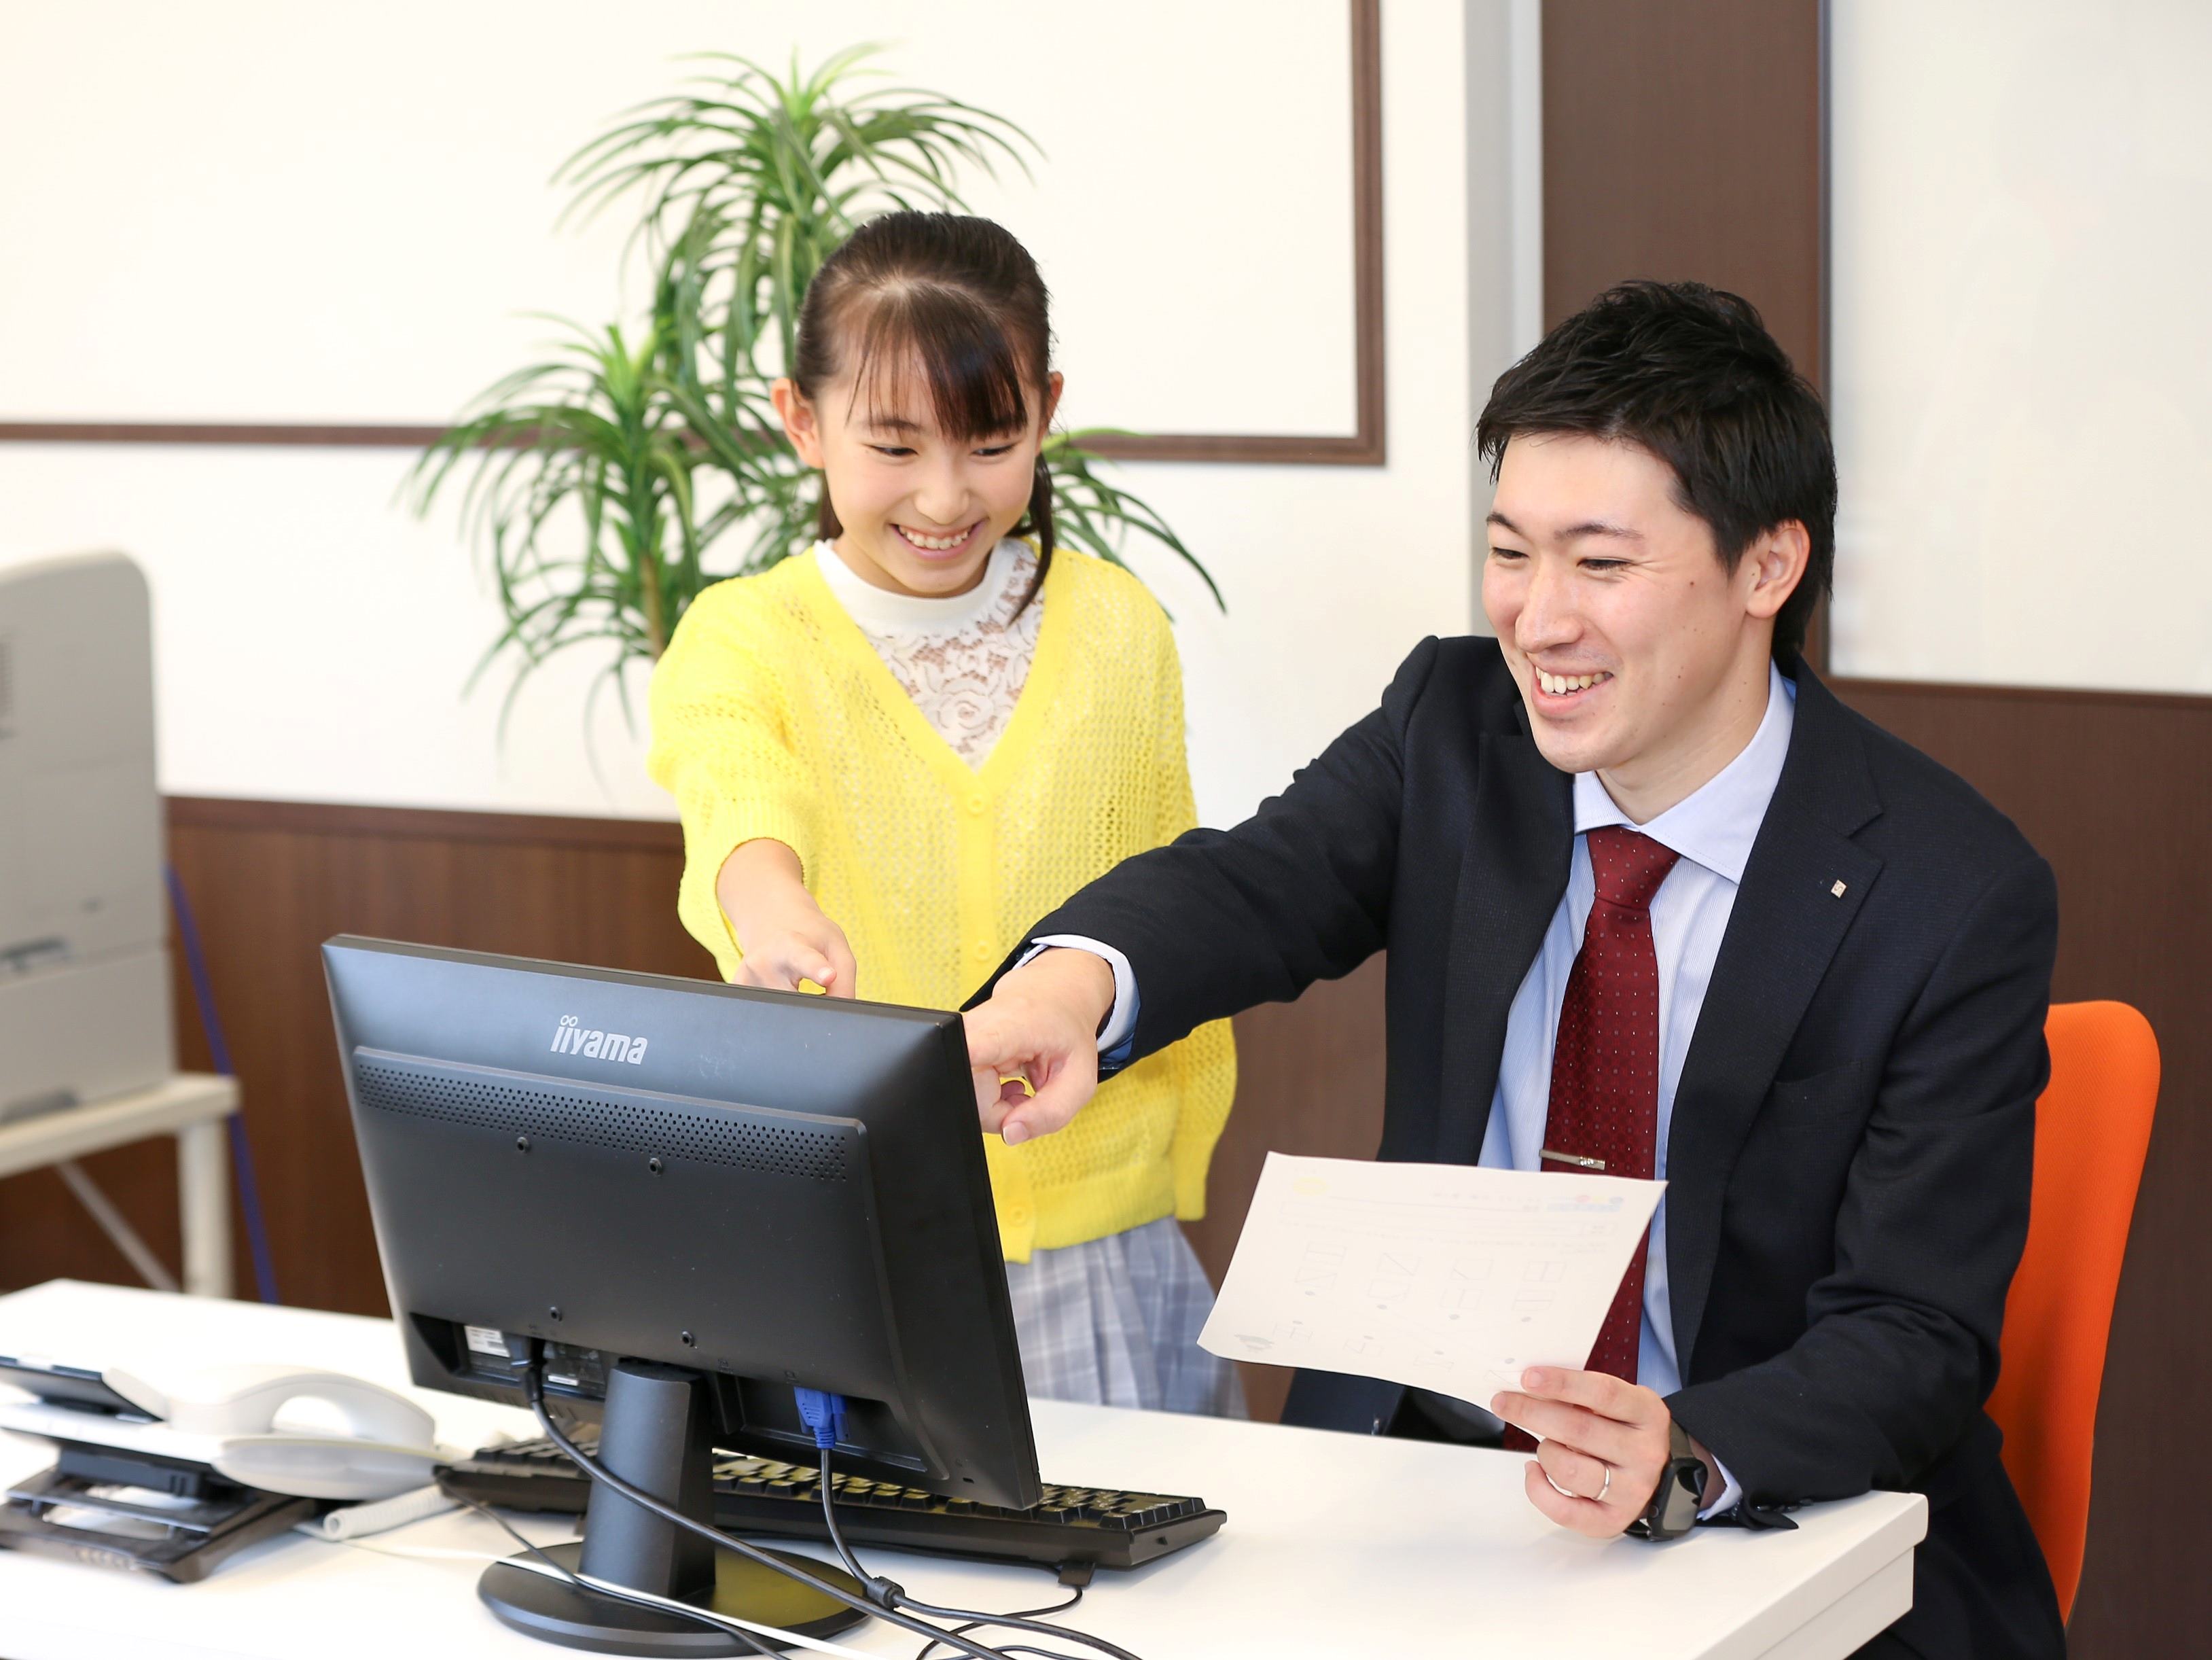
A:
{"points": [[168, 1477], [282, 1429]]}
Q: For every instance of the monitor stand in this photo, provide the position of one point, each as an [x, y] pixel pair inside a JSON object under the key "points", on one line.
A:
{"points": [[657, 1435]]}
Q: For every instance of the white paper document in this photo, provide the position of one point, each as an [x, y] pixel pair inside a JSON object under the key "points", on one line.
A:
{"points": [[1448, 1277]]}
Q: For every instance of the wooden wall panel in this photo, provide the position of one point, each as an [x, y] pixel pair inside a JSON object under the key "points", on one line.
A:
{"points": [[45, 1235], [1679, 143], [2116, 792]]}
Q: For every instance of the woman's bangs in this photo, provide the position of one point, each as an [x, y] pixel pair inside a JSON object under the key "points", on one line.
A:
{"points": [[973, 381]]}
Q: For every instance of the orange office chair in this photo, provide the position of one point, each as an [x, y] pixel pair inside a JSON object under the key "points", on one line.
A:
{"points": [[2092, 1127]]}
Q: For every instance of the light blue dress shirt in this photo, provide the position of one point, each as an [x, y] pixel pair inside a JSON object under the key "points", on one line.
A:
{"points": [[1712, 829]]}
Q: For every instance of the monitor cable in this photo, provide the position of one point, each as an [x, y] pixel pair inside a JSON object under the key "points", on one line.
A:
{"points": [[555, 1570], [745, 1631], [534, 1386], [823, 1414], [1074, 1575]]}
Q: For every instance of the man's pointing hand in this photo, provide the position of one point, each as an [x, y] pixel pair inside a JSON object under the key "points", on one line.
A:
{"points": [[1040, 1027]]}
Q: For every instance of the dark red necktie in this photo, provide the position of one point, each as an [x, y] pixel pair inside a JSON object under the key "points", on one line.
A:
{"points": [[1604, 1111]]}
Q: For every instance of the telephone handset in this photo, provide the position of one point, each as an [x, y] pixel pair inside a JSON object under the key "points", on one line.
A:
{"points": [[282, 1429]]}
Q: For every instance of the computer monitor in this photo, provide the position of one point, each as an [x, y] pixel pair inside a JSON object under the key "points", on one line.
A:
{"points": [[656, 1184]]}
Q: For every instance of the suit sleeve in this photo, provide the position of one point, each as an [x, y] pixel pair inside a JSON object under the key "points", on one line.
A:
{"points": [[1219, 920], [1900, 1348]]}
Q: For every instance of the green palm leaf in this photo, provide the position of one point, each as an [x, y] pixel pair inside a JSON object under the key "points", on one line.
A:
{"points": [[611, 481]]}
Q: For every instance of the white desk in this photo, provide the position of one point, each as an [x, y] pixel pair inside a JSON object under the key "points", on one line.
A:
{"points": [[192, 1106], [1336, 1545]]}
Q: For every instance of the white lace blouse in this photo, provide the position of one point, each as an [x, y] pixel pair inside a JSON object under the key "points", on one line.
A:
{"points": [[963, 660]]}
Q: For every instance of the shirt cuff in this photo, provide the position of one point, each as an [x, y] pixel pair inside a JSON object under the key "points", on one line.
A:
{"points": [[1122, 1022], [1731, 1495]]}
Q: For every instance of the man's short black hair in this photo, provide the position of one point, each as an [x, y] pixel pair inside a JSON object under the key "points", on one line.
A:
{"points": [[1690, 373]]}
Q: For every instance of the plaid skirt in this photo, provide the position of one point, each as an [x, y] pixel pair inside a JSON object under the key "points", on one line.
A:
{"points": [[1114, 1322]]}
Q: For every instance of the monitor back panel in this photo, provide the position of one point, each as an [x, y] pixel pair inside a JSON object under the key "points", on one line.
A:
{"points": [[774, 1191]]}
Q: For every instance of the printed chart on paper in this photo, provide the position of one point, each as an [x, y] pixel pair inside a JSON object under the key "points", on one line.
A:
{"points": [[1445, 1276]]}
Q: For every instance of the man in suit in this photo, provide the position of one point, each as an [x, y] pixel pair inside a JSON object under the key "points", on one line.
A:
{"points": [[1655, 903]]}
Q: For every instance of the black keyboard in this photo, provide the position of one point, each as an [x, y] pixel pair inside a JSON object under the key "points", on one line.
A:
{"points": [[1102, 1527]]}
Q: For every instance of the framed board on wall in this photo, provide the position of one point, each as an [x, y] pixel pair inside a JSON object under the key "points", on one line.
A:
{"points": [[315, 231]]}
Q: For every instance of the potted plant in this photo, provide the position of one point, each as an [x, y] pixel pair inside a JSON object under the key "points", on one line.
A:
{"points": [[659, 445]]}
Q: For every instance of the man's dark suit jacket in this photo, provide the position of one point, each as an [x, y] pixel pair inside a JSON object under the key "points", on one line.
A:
{"points": [[1848, 1161]]}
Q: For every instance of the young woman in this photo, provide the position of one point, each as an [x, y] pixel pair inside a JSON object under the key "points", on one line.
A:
{"points": [[892, 753]]}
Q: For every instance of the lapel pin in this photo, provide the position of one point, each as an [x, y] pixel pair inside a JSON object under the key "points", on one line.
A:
{"points": [[1838, 890]]}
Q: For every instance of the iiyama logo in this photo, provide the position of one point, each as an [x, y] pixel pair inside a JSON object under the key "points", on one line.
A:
{"points": [[570, 1037]]}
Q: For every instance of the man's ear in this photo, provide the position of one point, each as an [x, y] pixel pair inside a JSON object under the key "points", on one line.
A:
{"points": [[1773, 566], [799, 422]]}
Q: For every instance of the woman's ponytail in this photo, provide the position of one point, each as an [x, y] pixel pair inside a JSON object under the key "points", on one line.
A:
{"points": [[1037, 524]]}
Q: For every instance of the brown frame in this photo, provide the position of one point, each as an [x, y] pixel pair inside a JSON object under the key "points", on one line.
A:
{"points": [[1364, 447]]}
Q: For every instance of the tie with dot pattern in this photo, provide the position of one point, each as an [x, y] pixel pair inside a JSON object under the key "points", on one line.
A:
{"points": [[1604, 1065]]}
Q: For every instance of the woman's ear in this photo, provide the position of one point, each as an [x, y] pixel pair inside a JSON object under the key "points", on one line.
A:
{"points": [[796, 413], [1053, 385]]}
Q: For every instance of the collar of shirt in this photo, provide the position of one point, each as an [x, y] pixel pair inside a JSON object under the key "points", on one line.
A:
{"points": [[1716, 822], [879, 610]]}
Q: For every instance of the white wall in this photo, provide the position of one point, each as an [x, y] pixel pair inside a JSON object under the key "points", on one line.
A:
{"points": [[2022, 349], [314, 638], [271, 211]]}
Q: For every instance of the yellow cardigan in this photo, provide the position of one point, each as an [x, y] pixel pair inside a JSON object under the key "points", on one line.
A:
{"points": [[773, 716]]}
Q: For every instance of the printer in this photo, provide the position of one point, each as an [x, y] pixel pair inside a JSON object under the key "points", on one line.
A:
{"points": [[84, 976]]}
